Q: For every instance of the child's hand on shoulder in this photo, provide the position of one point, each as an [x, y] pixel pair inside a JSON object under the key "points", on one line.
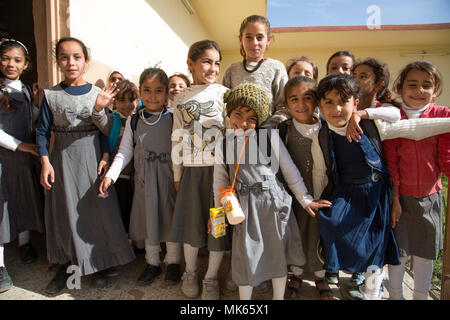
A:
{"points": [[316, 205], [354, 131], [106, 97]]}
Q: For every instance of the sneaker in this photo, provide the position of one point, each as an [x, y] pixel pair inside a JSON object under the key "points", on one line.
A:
{"points": [[190, 286], [150, 273], [59, 281], [373, 284], [100, 279], [210, 289], [5, 280], [354, 284], [332, 277], [27, 254], [173, 274]]}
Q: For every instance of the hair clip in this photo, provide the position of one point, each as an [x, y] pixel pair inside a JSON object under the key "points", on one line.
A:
{"points": [[13, 40]]}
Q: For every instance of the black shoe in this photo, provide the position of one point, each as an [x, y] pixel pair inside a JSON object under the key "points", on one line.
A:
{"points": [[150, 273], [100, 279], [332, 277], [59, 281], [173, 273], [5, 280], [27, 254], [112, 272], [139, 251]]}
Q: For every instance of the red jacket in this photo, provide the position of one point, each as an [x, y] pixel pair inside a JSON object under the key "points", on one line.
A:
{"points": [[416, 166]]}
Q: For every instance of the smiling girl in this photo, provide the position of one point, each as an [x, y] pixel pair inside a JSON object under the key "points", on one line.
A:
{"points": [[416, 168], [198, 119], [82, 229]]}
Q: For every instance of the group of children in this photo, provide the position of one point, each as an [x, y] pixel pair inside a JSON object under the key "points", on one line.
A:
{"points": [[312, 165]]}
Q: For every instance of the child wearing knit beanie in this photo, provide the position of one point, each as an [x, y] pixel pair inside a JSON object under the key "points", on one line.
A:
{"points": [[268, 239]]}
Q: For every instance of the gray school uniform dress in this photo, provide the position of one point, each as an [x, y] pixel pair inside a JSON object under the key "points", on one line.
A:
{"points": [[300, 150], [268, 240], [81, 227], [154, 195], [21, 201]]}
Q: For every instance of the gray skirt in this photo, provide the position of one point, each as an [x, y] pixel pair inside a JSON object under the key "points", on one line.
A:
{"points": [[190, 219], [82, 228], [419, 230], [21, 195]]}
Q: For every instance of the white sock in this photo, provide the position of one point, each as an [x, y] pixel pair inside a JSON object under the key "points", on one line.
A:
{"points": [[319, 274], [24, 238], [191, 257], [279, 286], [297, 271], [214, 262], [140, 244], [245, 292], [173, 253], [2, 250], [423, 272], [152, 253], [396, 274]]}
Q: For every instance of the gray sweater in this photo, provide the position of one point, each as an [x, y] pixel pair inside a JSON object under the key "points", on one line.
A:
{"points": [[270, 76]]}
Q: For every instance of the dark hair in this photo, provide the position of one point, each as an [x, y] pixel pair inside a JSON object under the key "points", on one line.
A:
{"points": [[297, 80], [7, 104], [252, 19], [182, 76], [160, 75], [424, 66], [67, 39], [292, 62], [199, 47], [127, 87], [343, 83], [338, 54], [382, 73]]}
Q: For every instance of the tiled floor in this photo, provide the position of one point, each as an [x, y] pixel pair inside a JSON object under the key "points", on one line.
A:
{"points": [[31, 280]]}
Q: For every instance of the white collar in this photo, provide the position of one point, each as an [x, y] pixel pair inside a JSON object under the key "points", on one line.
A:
{"points": [[342, 131], [13, 85], [307, 130], [414, 113]]}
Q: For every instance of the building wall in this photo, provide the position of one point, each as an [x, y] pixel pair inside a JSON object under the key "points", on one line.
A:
{"points": [[133, 35]]}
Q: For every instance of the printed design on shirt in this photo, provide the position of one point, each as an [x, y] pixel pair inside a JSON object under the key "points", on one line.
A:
{"points": [[72, 115], [192, 112]]}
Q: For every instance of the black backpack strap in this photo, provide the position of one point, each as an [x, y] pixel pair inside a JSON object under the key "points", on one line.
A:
{"points": [[282, 130], [134, 121]]}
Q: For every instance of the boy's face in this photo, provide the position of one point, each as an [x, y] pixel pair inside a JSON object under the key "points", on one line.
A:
{"points": [[125, 104], [243, 118], [301, 103], [336, 111]]}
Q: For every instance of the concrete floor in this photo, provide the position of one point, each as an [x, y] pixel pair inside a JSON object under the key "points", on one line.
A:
{"points": [[30, 281]]}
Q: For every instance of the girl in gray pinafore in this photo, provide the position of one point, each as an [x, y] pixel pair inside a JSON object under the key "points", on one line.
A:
{"points": [[82, 228], [147, 136], [268, 240]]}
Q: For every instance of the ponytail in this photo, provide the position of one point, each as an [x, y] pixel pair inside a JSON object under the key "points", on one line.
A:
{"points": [[6, 103]]}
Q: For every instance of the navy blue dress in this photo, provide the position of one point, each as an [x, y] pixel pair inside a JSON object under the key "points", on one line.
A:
{"points": [[356, 231]]}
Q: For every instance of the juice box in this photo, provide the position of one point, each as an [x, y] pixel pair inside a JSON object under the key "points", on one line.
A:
{"points": [[217, 216]]}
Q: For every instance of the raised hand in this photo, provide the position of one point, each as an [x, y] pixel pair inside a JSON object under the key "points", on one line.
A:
{"points": [[106, 97]]}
